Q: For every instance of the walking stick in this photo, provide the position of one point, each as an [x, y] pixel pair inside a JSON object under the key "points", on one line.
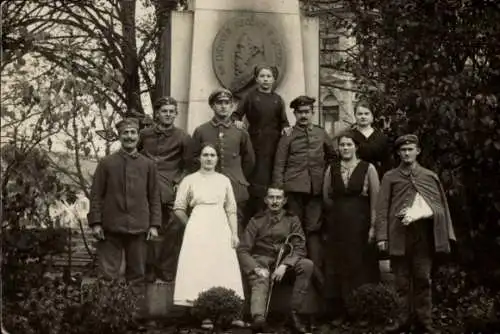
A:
{"points": [[279, 259]]}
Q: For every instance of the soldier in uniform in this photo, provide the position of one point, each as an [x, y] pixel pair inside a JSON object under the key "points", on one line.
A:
{"points": [[237, 158], [299, 167], [124, 206], [258, 251], [412, 222], [168, 146]]}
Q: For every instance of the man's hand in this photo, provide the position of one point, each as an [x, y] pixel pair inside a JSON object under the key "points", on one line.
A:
{"points": [[279, 272], [262, 272], [407, 216], [152, 233], [382, 246], [240, 125], [98, 232], [286, 131]]}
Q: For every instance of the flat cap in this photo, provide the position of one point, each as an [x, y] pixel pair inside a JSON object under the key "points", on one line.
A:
{"points": [[126, 123], [406, 139], [165, 101], [302, 101], [220, 94]]}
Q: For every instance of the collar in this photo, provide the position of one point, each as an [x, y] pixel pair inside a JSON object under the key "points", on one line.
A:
{"points": [[125, 154], [275, 216], [409, 171], [167, 131], [215, 122], [304, 128]]}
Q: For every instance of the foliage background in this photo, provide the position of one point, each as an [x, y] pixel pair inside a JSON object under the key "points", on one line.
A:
{"points": [[70, 68]]}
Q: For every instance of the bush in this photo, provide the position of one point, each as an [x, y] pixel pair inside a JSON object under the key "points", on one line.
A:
{"points": [[218, 304], [27, 257], [375, 304], [57, 308]]}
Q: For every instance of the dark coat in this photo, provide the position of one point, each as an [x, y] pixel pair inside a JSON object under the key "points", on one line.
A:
{"points": [[397, 191], [124, 197], [237, 157], [263, 238], [301, 160], [170, 150]]}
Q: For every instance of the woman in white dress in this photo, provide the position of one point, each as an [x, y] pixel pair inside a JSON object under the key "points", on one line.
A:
{"points": [[208, 254]]}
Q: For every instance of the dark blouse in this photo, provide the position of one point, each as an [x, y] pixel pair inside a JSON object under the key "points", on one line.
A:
{"points": [[264, 111], [375, 149]]}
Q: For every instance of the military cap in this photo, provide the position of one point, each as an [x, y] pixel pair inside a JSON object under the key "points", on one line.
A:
{"points": [[302, 101], [165, 101], [128, 122], [405, 140], [220, 94]]}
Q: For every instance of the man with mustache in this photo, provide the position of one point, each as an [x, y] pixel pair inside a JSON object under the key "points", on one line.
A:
{"points": [[124, 206], [168, 146], [258, 251], [299, 168], [413, 223]]}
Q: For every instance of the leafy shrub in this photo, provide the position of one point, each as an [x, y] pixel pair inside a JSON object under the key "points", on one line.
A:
{"points": [[27, 257], [110, 307], [221, 305], [57, 308], [373, 303]]}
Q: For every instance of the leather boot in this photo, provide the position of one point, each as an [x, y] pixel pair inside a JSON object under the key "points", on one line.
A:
{"points": [[297, 323], [258, 323]]}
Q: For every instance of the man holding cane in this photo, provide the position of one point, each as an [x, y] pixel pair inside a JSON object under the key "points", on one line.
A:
{"points": [[412, 223], [258, 251]]}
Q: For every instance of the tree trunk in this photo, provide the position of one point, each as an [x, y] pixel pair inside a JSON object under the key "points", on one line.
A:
{"points": [[131, 83], [163, 11]]}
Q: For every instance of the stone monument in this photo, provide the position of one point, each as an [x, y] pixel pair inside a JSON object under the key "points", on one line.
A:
{"points": [[216, 43]]}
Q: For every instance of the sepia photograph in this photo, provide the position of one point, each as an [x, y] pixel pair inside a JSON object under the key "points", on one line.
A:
{"points": [[250, 166]]}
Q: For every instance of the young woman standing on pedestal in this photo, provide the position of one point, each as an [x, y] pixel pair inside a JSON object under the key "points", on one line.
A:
{"points": [[265, 112]]}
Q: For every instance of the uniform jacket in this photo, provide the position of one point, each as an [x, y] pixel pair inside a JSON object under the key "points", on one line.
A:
{"points": [[397, 191], [301, 159], [263, 238], [237, 158], [124, 197], [169, 149]]}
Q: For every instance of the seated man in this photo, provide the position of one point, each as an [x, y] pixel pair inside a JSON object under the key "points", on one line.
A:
{"points": [[258, 251]]}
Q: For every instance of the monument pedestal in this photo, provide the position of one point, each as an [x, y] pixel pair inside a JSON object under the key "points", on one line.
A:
{"points": [[219, 42]]}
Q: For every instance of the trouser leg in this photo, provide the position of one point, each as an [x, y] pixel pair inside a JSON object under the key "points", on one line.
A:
{"points": [[241, 216], [110, 255], [295, 205], [401, 268], [135, 257], [170, 245], [259, 287], [303, 270], [421, 271], [312, 227]]}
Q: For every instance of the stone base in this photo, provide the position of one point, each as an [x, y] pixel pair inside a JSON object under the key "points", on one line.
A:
{"points": [[159, 299]]}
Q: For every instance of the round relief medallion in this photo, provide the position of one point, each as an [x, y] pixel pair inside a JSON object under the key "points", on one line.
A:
{"points": [[241, 44]]}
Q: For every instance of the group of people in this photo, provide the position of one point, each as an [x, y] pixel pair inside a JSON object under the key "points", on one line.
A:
{"points": [[225, 199]]}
